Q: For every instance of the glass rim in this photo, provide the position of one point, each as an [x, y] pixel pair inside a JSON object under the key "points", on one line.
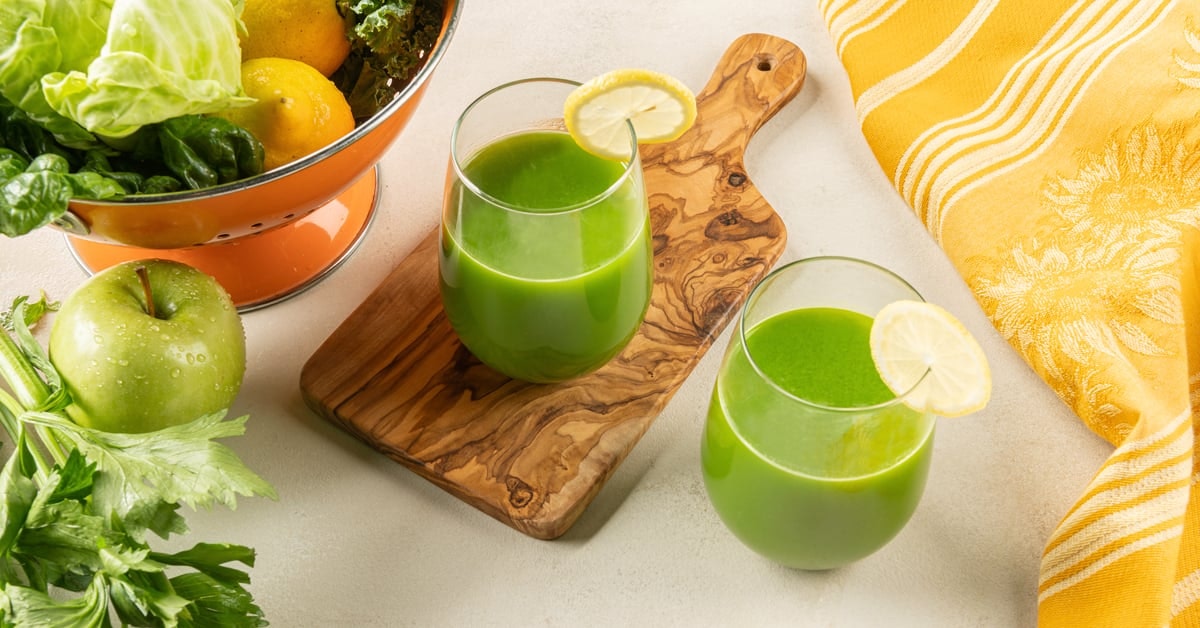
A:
{"points": [[633, 162], [742, 332]]}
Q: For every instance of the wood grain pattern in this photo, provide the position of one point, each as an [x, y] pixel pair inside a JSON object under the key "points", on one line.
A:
{"points": [[534, 456]]}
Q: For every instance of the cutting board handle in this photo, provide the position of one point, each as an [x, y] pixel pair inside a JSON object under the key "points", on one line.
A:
{"points": [[754, 79]]}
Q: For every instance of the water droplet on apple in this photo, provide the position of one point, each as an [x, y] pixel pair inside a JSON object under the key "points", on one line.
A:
{"points": [[175, 372], [200, 358], [191, 359], [98, 339]]}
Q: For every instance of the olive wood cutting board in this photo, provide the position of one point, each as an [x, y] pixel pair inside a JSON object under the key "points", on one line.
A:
{"points": [[534, 456]]}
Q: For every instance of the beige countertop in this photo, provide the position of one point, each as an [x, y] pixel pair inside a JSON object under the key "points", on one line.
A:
{"points": [[357, 540]]}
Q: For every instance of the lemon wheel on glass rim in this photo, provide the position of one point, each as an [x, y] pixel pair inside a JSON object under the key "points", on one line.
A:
{"points": [[926, 354], [660, 108]]}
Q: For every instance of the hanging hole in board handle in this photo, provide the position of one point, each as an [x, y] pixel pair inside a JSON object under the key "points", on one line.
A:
{"points": [[764, 62]]}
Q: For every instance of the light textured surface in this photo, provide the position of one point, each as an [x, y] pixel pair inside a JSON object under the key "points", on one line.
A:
{"points": [[357, 540]]}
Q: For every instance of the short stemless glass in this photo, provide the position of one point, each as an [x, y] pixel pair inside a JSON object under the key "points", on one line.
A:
{"points": [[808, 458], [545, 260]]}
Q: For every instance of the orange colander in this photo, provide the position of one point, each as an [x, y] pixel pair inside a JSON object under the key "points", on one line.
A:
{"points": [[267, 237]]}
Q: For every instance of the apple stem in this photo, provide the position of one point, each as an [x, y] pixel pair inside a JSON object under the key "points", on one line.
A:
{"points": [[144, 277]]}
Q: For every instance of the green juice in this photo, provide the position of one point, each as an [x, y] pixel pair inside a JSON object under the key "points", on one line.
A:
{"points": [[546, 263], [812, 485]]}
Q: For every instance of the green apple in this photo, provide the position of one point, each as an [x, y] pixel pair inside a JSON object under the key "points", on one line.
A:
{"points": [[148, 344]]}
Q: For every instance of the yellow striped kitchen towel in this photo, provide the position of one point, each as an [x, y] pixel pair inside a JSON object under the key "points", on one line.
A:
{"points": [[1052, 148]]}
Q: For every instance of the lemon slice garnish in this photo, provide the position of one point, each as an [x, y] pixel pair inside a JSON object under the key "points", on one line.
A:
{"points": [[910, 338], [659, 106]]}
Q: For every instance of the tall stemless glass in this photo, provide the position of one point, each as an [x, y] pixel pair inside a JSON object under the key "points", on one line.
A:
{"points": [[807, 457], [545, 261]]}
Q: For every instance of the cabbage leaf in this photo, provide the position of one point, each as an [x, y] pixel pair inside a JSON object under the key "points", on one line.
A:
{"points": [[30, 48], [109, 67]]}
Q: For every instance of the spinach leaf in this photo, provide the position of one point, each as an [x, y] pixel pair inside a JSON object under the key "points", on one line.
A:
{"points": [[39, 177], [204, 151], [38, 191]]}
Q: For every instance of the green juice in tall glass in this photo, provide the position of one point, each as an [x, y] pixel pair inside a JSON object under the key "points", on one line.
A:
{"points": [[546, 257], [817, 467]]}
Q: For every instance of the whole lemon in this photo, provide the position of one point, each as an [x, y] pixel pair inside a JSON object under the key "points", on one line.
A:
{"points": [[311, 31], [297, 110]]}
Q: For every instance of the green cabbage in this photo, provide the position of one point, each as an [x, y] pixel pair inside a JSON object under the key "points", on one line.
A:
{"points": [[86, 68], [103, 98]]}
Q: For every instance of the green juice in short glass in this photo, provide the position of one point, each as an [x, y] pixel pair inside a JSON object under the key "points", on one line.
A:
{"points": [[545, 258], [821, 467]]}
